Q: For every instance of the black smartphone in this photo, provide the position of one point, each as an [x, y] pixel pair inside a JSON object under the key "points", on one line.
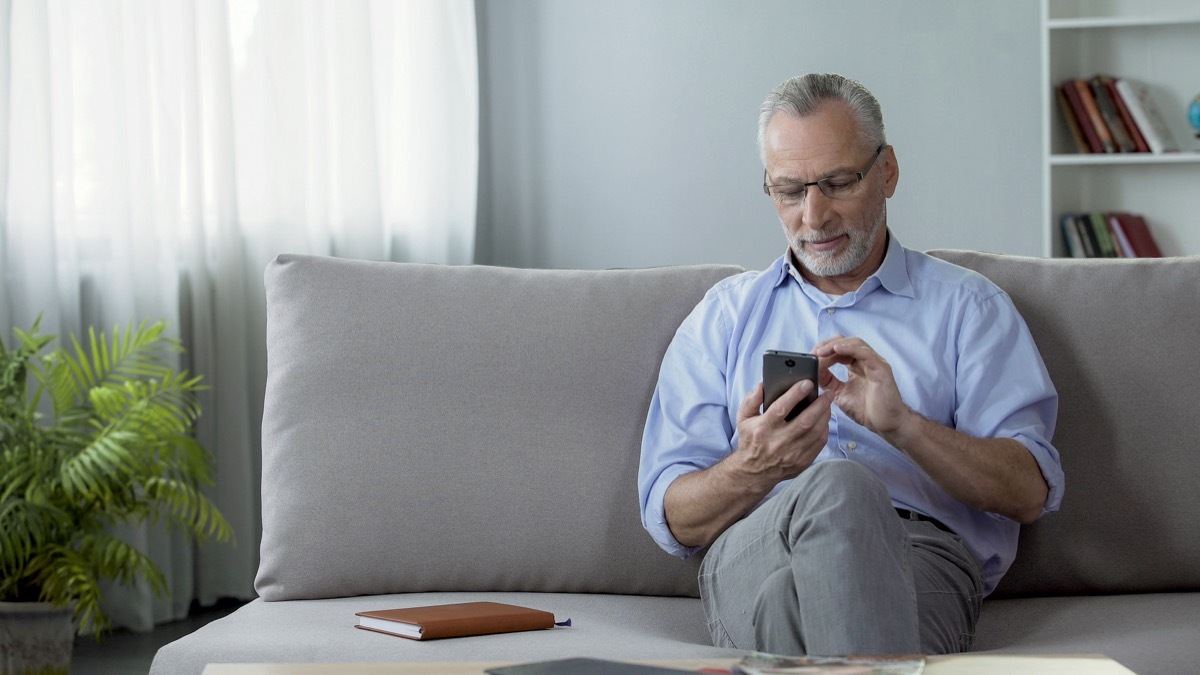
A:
{"points": [[781, 370]]}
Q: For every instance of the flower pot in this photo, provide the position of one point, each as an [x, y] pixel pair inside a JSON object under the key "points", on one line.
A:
{"points": [[35, 638]]}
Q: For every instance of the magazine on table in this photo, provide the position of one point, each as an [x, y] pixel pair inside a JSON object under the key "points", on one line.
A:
{"points": [[771, 664]]}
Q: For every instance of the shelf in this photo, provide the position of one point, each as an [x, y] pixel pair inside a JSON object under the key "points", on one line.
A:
{"points": [[1122, 159], [1121, 22]]}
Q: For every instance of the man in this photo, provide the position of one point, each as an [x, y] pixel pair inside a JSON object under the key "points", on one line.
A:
{"points": [[876, 520]]}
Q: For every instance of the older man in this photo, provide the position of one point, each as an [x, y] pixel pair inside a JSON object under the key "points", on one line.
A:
{"points": [[876, 520]]}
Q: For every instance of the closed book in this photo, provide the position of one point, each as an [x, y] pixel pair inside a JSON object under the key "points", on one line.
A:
{"points": [[1145, 113], [1112, 119], [1138, 233], [1064, 104], [1131, 126], [1093, 113], [1096, 220], [455, 620], [1081, 116], [1114, 226], [1083, 226], [1071, 241]]}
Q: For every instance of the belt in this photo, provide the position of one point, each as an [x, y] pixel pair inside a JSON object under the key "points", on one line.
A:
{"points": [[913, 515]]}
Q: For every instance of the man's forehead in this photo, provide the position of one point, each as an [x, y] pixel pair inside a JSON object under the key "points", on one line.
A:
{"points": [[827, 140]]}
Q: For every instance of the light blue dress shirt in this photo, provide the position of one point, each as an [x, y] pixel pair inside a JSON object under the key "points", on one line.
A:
{"points": [[960, 353]]}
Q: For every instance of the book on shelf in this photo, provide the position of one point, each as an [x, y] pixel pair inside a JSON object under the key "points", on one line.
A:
{"points": [[1107, 114], [463, 619], [1116, 234], [1147, 116], [1138, 232], [1110, 116], [1093, 115], [1139, 141], [1099, 225], [1085, 138]]}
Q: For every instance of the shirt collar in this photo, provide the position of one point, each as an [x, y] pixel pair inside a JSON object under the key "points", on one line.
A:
{"points": [[892, 274]]}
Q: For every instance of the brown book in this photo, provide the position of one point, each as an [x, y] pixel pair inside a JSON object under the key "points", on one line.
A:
{"points": [[1064, 104], [456, 620], [1093, 114], [1081, 116]]}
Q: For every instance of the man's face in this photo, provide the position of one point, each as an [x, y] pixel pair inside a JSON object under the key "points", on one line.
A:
{"points": [[830, 237]]}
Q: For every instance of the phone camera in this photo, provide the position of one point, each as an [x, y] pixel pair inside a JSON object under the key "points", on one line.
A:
{"points": [[790, 363]]}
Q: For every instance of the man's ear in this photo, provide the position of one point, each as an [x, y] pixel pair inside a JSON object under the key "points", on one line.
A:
{"points": [[891, 171]]}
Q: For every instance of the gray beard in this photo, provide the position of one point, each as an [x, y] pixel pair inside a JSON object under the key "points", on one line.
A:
{"points": [[835, 264]]}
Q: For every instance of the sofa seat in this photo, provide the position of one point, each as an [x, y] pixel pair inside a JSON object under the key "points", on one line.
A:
{"points": [[1149, 633], [322, 631]]}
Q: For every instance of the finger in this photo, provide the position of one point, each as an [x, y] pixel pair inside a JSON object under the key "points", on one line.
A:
{"points": [[751, 404], [790, 399], [817, 413]]}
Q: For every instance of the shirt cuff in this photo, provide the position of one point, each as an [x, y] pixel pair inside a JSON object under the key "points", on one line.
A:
{"points": [[655, 517]]}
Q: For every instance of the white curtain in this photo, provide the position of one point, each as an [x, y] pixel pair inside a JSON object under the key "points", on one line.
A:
{"points": [[156, 154]]}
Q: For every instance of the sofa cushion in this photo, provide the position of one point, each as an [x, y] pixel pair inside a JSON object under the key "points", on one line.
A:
{"points": [[322, 631], [1120, 339], [437, 428], [1149, 633]]}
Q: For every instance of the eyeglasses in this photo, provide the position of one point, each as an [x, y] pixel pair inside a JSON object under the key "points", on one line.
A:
{"points": [[840, 186]]}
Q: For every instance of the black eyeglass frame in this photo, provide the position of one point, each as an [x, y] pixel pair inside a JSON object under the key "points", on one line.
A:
{"points": [[824, 182]]}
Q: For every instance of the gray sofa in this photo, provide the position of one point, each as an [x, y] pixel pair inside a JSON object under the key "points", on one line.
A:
{"points": [[443, 434]]}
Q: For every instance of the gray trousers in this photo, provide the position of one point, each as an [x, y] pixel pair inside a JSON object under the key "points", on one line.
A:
{"points": [[827, 567]]}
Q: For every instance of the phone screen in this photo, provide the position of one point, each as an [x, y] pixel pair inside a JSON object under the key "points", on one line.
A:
{"points": [[782, 370]]}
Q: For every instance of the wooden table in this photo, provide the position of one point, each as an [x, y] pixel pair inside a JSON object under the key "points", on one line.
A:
{"points": [[951, 664]]}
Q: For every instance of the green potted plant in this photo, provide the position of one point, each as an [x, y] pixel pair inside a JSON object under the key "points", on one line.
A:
{"points": [[90, 439]]}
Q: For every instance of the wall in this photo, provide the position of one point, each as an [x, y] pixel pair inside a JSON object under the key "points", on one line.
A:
{"points": [[622, 133]]}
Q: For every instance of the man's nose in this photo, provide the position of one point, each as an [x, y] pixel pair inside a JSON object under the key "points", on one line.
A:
{"points": [[814, 207]]}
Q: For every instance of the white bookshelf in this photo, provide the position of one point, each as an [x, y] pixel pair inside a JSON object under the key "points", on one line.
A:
{"points": [[1156, 42]]}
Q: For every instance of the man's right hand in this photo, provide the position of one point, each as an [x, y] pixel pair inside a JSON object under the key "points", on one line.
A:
{"points": [[773, 448], [702, 504]]}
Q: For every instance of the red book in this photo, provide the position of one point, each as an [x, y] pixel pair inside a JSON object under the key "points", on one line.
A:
{"points": [[1081, 116], [1138, 234]]}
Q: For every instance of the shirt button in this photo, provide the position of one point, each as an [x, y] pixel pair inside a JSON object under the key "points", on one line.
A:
{"points": [[852, 445], [832, 310]]}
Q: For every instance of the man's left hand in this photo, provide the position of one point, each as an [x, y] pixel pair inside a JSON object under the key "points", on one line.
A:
{"points": [[869, 394]]}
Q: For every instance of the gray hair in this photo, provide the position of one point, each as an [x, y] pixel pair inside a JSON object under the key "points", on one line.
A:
{"points": [[801, 95]]}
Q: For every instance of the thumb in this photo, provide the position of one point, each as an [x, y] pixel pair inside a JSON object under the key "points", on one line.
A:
{"points": [[752, 404]]}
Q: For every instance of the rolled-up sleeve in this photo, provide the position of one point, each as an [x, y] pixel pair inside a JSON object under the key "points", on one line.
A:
{"points": [[688, 426], [1004, 390]]}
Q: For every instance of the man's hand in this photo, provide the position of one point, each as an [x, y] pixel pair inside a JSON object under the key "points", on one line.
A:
{"points": [[702, 504], [774, 448], [869, 395], [998, 475]]}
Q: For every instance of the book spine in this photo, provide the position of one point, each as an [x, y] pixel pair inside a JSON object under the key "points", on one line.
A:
{"points": [[1096, 221], [1131, 126], [1070, 236], [1081, 116], [1112, 119], [1086, 236], [1093, 112], [1114, 224], [1064, 105]]}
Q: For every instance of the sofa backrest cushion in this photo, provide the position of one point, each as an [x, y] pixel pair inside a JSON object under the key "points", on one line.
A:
{"points": [[1121, 340], [438, 428]]}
